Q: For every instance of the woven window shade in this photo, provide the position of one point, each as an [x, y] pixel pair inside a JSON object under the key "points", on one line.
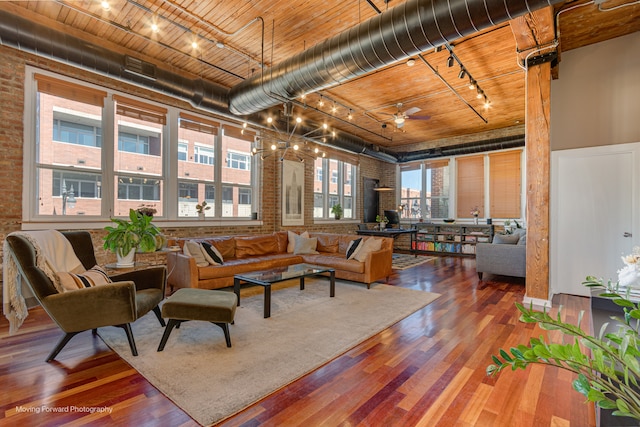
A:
{"points": [[140, 110], [239, 133], [434, 164], [470, 185], [341, 156], [68, 90], [198, 124], [505, 184]]}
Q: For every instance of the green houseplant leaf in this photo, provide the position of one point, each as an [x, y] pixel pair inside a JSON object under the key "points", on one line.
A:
{"points": [[136, 233], [607, 366]]}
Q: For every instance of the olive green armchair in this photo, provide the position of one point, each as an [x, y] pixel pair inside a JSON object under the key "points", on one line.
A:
{"points": [[132, 295]]}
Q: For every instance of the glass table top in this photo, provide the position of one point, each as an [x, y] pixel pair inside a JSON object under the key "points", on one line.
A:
{"points": [[279, 274]]}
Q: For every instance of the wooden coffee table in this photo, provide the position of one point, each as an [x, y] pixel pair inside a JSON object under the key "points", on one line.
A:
{"points": [[266, 278]]}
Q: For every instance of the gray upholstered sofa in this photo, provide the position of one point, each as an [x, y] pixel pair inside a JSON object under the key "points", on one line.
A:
{"points": [[506, 255]]}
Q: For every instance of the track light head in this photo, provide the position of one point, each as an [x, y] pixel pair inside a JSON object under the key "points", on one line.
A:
{"points": [[450, 61], [462, 73]]}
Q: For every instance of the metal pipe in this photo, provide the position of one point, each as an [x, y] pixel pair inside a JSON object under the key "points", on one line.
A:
{"points": [[392, 36]]}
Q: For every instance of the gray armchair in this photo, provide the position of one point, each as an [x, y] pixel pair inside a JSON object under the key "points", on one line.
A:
{"points": [[131, 296], [506, 256]]}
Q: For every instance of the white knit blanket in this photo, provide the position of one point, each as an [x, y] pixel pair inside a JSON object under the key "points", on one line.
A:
{"points": [[53, 253]]}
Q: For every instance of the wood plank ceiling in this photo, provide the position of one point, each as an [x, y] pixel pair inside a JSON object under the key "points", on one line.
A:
{"points": [[231, 42]]}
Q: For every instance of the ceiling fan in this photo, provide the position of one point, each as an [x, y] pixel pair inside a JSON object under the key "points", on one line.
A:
{"points": [[400, 116]]}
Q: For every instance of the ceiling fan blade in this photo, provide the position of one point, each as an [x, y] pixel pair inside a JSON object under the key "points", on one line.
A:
{"points": [[411, 111], [418, 117]]}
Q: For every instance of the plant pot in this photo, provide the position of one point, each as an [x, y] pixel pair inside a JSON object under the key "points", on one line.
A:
{"points": [[201, 215], [383, 225], [127, 260]]}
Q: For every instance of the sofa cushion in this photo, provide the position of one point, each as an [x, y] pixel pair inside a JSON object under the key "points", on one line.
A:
{"points": [[95, 276], [336, 261], [506, 239], [354, 247], [328, 243], [282, 238], [370, 245], [523, 239], [251, 246], [245, 265], [292, 240], [212, 254], [305, 245], [226, 245]]}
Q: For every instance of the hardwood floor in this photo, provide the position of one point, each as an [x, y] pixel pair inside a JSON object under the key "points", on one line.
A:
{"points": [[427, 370]]}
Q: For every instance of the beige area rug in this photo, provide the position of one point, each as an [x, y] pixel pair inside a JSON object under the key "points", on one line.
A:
{"points": [[306, 330], [404, 261]]}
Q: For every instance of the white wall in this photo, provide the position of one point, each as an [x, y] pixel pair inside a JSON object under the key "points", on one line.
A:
{"points": [[596, 100], [594, 103]]}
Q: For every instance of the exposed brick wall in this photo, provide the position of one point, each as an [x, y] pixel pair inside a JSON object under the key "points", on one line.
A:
{"points": [[12, 69]]}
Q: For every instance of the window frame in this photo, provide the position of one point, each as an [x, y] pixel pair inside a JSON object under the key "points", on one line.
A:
{"points": [[107, 187]]}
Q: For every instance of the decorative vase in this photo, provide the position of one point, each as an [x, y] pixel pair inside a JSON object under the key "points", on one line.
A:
{"points": [[127, 260], [201, 215], [475, 220], [382, 225]]}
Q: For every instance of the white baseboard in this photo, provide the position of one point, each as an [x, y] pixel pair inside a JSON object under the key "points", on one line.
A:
{"points": [[537, 302]]}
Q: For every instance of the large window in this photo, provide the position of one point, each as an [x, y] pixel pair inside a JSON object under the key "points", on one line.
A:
{"points": [[196, 167], [237, 175], [81, 155], [489, 182], [67, 148], [337, 190], [425, 190]]}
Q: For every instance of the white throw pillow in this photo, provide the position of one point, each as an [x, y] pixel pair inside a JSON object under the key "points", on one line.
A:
{"points": [[194, 249], [291, 240], [371, 245], [305, 245]]}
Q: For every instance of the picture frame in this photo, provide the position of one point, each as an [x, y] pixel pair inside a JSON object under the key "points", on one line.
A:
{"points": [[292, 193]]}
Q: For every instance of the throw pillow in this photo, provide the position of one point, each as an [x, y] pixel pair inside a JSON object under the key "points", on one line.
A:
{"points": [[523, 239], [292, 240], [305, 245], [213, 253], [353, 247], [95, 276], [506, 239], [193, 249], [370, 245]]}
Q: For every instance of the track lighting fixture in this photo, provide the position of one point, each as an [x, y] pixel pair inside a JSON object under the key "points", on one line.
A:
{"points": [[350, 116], [321, 102], [464, 73], [105, 5], [450, 61], [411, 62]]}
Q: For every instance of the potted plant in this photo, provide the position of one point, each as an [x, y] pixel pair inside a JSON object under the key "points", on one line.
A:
{"points": [[128, 235], [383, 220], [607, 365], [336, 210], [201, 207]]}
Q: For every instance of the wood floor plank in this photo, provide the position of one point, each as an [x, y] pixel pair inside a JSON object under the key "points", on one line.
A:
{"points": [[427, 369]]}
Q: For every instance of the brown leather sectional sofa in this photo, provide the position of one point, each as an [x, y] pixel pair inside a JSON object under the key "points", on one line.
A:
{"points": [[243, 254]]}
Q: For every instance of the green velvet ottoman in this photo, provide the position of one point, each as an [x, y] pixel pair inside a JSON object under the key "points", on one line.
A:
{"points": [[217, 307]]}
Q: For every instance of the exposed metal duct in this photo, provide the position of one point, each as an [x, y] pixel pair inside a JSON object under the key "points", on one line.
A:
{"points": [[22, 34], [467, 148], [397, 34], [394, 35], [26, 36]]}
